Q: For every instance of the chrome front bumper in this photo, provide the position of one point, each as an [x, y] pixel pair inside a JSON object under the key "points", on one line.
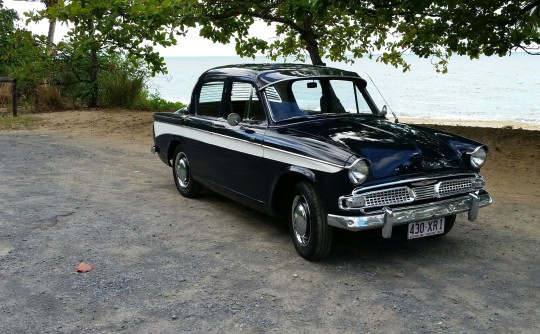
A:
{"points": [[388, 217]]}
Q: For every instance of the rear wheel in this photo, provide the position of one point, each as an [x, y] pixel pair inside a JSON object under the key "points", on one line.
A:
{"points": [[185, 183], [311, 235]]}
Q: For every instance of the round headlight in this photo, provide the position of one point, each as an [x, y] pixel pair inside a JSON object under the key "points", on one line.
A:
{"points": [[478, 157], [358, 172]]}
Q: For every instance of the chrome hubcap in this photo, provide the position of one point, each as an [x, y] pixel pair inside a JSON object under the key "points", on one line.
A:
{"points": [[182, 173], [300, 220]]}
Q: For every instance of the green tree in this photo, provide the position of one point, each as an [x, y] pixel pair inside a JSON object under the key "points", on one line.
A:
{"points": [[337, 29], [52, 21], [8, 17], [20, 51], [100, 29]]}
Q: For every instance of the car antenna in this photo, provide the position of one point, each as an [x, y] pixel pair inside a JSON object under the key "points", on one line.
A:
{"points": [[377, 88]]}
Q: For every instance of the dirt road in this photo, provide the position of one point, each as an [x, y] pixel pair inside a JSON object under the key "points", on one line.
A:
{"points": [[166, 264]]}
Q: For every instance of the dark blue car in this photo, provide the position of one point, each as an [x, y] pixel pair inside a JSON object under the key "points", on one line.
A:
{"points": [[309, 143]]}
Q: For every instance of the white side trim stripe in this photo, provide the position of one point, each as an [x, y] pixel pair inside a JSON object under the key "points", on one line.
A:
{"points": [[247, 147]]}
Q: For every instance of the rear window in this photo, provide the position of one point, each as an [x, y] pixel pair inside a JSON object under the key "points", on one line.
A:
{"points": [[210, 99]]}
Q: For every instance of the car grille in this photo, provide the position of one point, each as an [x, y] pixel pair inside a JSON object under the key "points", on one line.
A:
{"points": [[425, 192], [390, 196], [408, 194], [447, 188]]}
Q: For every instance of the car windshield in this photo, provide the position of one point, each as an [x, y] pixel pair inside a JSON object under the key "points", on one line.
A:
{"points": [[304, 98]]}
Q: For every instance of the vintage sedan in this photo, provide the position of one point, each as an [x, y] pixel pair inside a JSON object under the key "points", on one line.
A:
{"points": [[310, 144]]}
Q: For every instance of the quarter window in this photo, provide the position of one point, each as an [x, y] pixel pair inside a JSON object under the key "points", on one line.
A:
{"points": [[210, 99]]}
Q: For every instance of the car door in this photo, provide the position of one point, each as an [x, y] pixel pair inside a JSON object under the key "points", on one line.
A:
{"points": [[200, 143], [239, 164]]}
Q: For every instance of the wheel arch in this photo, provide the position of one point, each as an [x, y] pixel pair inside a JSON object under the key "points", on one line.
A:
{"points": [[173, 145], [284, 182]]}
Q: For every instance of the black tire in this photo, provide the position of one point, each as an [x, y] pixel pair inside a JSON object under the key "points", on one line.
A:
{"points": [[310, 232], [185, 183]]}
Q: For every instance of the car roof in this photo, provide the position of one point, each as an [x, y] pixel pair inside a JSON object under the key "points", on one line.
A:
{"points": [[266, 74]]}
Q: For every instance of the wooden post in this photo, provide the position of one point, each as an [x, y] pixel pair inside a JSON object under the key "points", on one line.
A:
{"points": [[14, 99], [13, 92]]}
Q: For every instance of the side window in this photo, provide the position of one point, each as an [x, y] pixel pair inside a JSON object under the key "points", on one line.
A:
{"points": [[210, 99], [244, 102]]}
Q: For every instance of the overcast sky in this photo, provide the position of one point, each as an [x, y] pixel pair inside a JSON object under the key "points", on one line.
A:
{"points": [[190, 45]]}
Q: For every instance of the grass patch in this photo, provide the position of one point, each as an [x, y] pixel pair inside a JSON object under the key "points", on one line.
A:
{"points": [[20, 122]]}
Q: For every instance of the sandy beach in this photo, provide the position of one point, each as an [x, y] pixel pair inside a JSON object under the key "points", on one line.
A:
{"points": [[509, 125]]}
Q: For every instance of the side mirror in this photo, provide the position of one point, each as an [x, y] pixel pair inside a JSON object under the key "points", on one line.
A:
{"points": [[384, 111], [183, 111], [233, 119]]}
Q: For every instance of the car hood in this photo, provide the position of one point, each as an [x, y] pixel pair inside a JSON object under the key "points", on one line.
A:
{"points": [[392, 148]]}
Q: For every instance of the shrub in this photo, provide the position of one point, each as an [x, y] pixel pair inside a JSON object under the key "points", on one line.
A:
{"points": [[123, 84], [5, 93], [156, 103], [48, 98], [120, 88]]}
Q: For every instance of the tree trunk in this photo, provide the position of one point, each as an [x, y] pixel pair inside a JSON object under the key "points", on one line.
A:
{"points": [[50, 34], [313, 50], [94, 66], [312, 46], [52, 21], [52, 27]]}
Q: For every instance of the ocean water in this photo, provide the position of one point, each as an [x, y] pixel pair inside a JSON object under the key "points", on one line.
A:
{"points": [[491, 88]]}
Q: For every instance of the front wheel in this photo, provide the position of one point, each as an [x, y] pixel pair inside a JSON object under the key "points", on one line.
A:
{"points": [[312, 236], [185, 183]]}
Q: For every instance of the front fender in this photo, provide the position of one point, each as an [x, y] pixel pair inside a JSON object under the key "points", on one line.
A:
{"points": [[306, 172], [285, 180]]}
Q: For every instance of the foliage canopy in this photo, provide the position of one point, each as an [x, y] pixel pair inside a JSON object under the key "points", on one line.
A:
{"points": [[106, 33], [349, 29]]}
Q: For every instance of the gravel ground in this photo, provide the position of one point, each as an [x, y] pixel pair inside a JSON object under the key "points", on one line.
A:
{"points": [[166, 264]]}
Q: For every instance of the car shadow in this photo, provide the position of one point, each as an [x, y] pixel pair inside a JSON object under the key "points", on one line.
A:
{"points": [[370, 247], [357, 247]]}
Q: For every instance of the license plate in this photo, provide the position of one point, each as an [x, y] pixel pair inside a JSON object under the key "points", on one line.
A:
{"points": [[425, 228]]}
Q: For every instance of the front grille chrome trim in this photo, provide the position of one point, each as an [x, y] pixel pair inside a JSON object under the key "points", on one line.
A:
{"points": [[434, 177], [414, 213], [409, 193]]}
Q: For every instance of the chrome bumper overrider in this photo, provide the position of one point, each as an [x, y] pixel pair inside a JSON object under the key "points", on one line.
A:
{"points": [[389, 217]]}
